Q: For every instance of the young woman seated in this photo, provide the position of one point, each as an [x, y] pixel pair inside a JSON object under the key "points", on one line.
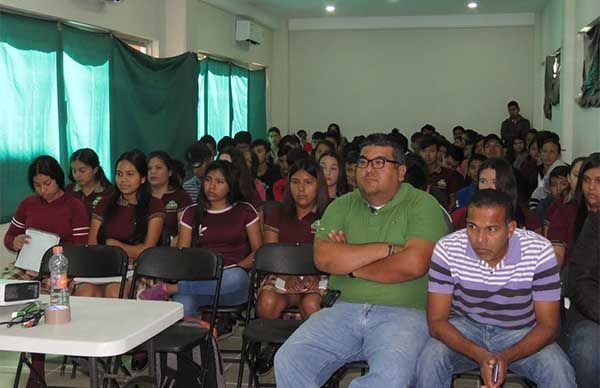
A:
{"points": [[222, 222], [131, 218], [292, 222], [335, 174]]}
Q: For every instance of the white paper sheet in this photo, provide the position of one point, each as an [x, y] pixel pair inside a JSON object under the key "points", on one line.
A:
{"points": [[30, 256]]}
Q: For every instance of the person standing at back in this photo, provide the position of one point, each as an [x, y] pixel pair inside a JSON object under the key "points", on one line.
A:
{"points": [[515, 125], [376, 242]]}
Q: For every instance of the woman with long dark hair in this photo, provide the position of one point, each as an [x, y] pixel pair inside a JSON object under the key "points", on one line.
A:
{"points": [[222, 222], [497, 173], [291, 221], [166, 186], [88, 181], [244, 175], [335, 174], [566, 222], [131, 218]]}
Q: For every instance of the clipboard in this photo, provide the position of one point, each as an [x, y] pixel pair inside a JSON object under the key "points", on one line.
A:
{"points": [[30, 256]]}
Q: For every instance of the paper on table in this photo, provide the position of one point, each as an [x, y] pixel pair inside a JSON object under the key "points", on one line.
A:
{"points": [[30, 256]]}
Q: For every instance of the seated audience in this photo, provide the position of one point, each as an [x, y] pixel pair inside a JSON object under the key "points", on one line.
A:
{"points": [[494, 295], [335, 128], [428, 130], [566, 222], [291, 222], [52, 211], [198, 156], [211, 144], [351, 160], [443, 179], [222, 222], [515, 125], [463, 196], [242, 140], [584, 313], [518, 154], [165, 186], [251, 161], [89, 183], [453, 158], [458, 133], [316, 136], [288, 157], [244, 177], [306, 146], [559, 188], [322, 147], [550, 159], [131, 219], [492, 146], [268, 173], [273, 136], [415, 141], [335, 175], [497, 173], [376, 242]]}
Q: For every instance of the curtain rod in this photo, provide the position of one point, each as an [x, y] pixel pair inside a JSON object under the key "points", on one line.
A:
{"points": [[74, 24], [247, 65]]}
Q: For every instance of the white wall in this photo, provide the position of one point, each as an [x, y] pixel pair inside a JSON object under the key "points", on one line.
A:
{"points": [[142, 18], [371, 80]]}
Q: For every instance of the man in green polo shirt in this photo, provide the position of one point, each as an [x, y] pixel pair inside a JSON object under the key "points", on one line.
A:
{"points": [[376, 242]]}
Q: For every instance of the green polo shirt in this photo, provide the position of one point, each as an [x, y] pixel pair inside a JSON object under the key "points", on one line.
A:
{"points": [[411, 214]]}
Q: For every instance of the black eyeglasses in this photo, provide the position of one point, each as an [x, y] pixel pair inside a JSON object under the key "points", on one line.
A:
{"points": [[377, 163]]}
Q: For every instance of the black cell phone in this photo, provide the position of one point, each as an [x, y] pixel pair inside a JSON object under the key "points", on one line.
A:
{"points": [[330, 297], [495, 372]]}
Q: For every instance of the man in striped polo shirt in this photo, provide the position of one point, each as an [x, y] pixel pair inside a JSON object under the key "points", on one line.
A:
{"points": [[494, 294]]}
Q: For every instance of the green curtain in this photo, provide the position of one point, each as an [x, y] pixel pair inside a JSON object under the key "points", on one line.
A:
{"points": [[86, 58], [231, 99], [28, 103], [153, 101], [257, 104]]}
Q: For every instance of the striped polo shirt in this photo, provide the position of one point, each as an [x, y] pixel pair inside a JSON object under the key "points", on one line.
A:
{"points": [[502, 296]]}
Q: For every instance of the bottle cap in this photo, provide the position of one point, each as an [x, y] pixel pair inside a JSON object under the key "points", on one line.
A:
{"points": [[57, 249]]}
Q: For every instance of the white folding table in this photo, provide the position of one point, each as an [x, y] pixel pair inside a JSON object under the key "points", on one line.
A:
{"points": [[99, 327]]}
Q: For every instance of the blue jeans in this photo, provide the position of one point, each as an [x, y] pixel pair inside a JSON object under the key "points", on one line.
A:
{"points": [[388, 338], [585, 354], [193, 294], [548, 368]]}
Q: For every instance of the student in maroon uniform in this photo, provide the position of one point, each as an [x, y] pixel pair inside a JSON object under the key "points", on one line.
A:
{"points": [[244, 176], [165, 186], [447, 181], [497, 173], [335, 174], [223, 223], [567, 221], [50, 210], [88, 180], [131, 218], [291, 221]]}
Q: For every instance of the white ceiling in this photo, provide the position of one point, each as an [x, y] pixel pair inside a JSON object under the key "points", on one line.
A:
{"points": [[292, 9]]}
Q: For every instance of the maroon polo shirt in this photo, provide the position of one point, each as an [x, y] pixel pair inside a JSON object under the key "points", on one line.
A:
{"points": [[66, 216], [223, 231], [90, 201], [121, 224], [291, 230], [174, 201], [561, 226]]}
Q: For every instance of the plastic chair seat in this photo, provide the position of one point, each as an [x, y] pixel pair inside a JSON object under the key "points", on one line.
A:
{"points": [[179, 338], [273, 331]]}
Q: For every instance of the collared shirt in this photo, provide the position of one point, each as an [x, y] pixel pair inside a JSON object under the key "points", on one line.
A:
{"points": [[193, 186], [291, 230], [175, 201], [502, 296], [410, 214], [92, 199]]}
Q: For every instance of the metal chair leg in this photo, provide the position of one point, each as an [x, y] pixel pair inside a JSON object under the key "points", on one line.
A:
{"points": [[19, 369], [243, 357]]}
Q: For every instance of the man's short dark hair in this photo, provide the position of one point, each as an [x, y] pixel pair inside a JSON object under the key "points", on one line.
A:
{"points": [[458, 128], [198, 152], [243, 137], [261, 142], [399, 138], [475, 157], [416, 137], [208, 139], [318, 136], [513, 103], [427, 127], [290, 139], [493, 198], [301, 132], [491, 137], [455, 152], [429, 141], [383, 140], [274, 129], [226, 141]]}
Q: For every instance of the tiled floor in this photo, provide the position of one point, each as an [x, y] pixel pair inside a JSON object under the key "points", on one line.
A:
{"points": [[8, 362]]}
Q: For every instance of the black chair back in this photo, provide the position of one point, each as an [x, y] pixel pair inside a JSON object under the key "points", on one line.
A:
{"points": [[91, 261], [286, 259]]}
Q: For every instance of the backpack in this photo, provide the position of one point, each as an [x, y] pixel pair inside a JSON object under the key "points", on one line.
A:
{"points": [[175, 371]]}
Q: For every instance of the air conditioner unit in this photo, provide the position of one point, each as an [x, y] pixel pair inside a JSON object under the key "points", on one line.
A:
{"points": [[248, 31]]}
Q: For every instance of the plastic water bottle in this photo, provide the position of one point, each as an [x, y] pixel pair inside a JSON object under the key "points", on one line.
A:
{"points": [[58, 311]]}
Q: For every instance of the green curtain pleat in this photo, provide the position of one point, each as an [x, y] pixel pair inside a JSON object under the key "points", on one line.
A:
{"points": [[217, 99], [257, 104], [28, 103], [86, 58], [239, 99], [202, 72], [153, 101]]}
